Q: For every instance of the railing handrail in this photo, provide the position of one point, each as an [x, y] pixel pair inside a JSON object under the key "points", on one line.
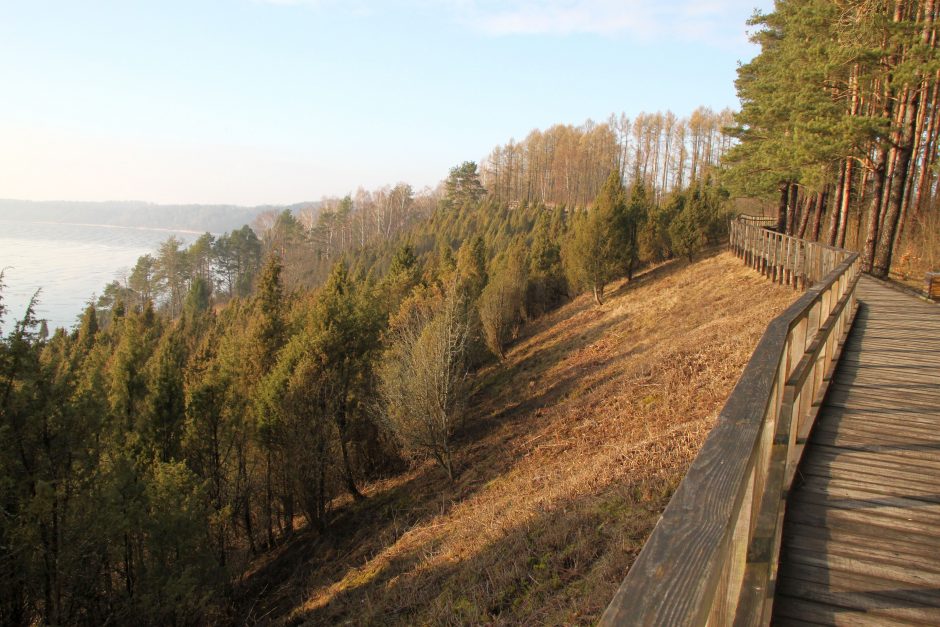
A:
{"points": [[713, 553]]}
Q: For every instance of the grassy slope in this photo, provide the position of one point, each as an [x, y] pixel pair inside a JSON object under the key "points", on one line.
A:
{"points": [[570, 454]]}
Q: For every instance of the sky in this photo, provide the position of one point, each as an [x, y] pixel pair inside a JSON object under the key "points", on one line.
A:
{"points": [[280, 101]]}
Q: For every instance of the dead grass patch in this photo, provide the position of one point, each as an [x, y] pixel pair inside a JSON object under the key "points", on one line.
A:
{"points": [[573, 449]]}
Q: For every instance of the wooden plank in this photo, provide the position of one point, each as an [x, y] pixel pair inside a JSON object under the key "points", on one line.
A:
{"points": [[867, 551], [865, 412], [873, 604], [884, 421], [875, 458], [864, 536], [887, 471], [877, 432], [926, 596], [922, 489], [804, 612], [859, 412], [869, 484], [848, 444], [862, 566], [924, 519], [820, 519], [860, 537], [834, 467], [850, 492], [863, 391]]}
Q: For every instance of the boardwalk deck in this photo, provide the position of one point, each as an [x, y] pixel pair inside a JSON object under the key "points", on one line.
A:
{"points": [[862, 533]]}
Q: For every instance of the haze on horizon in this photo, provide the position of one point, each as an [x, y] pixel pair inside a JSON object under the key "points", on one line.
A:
{"points": [[256, 102]]}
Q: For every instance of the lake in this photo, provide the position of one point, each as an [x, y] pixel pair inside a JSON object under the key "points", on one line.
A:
{"points": [[70, 263]]}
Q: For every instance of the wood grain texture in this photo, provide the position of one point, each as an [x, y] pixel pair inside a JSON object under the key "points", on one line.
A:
{"points": [[861, 540]]}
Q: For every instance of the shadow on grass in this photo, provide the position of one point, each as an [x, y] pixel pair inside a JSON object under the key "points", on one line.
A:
{"points": [[559, 567]]}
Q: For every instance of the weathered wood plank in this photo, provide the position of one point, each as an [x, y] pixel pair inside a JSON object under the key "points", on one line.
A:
{"points": [[865, 536], [874, 604], [871, 485], [836, 563], [799, 611], [925, 461], [876, 555]]}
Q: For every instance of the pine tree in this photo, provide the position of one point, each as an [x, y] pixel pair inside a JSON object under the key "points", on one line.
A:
{"points": [[502, 303], [601, 241]]}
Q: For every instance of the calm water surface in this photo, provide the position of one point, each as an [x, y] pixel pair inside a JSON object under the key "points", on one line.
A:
{"points": [[70, 263]]}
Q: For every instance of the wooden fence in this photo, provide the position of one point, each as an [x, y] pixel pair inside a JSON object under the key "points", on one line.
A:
{"points": [[783, 258], [712, 558]]}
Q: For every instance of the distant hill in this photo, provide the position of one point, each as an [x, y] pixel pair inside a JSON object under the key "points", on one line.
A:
{"points": [[212, 218]]}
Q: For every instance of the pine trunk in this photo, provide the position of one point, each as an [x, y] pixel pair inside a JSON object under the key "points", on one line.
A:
{"points": [[782, 208], [929, 153], [835, 217], [821, 198], [874, 211], [792, 208], [804, 213], [892, 213]]}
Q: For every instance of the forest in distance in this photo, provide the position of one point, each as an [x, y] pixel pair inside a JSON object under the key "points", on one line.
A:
{"points": [[235, 393]]}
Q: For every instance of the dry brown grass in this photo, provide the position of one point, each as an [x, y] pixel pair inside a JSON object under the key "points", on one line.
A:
{"points": [[572, 451]]}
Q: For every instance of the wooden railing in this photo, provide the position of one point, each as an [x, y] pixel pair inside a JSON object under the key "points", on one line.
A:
{"points": [[757, 221], [783, 258], [712, 558]]}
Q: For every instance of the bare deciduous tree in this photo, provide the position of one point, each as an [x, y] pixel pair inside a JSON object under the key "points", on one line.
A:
{"points": [[423, 378]]}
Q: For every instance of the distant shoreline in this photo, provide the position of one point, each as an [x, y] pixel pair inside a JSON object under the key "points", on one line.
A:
{"points": [[112, 226]]}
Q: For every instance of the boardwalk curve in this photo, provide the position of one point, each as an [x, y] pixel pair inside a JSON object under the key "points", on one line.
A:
{"points": [[816, 497]]}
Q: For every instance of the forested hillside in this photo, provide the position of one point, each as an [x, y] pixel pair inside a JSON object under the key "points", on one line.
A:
{"points": [[839, 120], [569, 451], [257, 385]]}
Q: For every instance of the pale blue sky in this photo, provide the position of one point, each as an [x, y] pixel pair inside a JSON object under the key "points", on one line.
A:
{"points": [[278, 101]]}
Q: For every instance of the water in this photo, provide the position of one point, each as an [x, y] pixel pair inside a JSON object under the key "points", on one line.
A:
{"points": [[71, 263]]}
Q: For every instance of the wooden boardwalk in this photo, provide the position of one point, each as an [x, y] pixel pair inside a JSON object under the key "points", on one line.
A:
{"points": [[861, 540]]}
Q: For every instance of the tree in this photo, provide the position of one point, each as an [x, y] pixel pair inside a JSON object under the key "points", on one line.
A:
{"points": [[164, 408], [687, 230], [471, 268], [198, 297], [344, 337], [598, 247], [238, 257], [636, 214], [547, 286], [172, 272], [401, 278], [142, 280], [841, 97], [462, 188], [267, 334], [423, 376], [502, 303]]}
